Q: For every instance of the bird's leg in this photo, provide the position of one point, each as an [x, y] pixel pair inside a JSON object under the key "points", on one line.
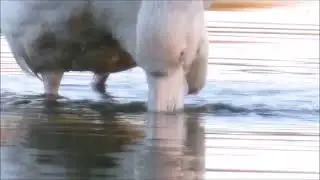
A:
{"points": [[98, 82], [51, 82]]}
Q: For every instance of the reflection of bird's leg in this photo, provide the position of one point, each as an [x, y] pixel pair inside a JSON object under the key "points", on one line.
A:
{"points": [[98, 82], [51, 82]]}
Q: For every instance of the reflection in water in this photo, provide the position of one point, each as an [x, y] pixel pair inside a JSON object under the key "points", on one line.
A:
{"points": [[81, 143], [173, 148]]}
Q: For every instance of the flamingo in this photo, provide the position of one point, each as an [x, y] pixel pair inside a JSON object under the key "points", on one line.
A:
{"points": [[167, 39]]}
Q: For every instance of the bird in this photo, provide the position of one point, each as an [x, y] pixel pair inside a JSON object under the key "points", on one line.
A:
{"points": [[167, 39]]}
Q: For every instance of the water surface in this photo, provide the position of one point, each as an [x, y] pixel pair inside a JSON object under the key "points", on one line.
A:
{"points": [[257, 118]]}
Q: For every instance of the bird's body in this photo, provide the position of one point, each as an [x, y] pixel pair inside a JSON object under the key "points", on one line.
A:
{"points": [[64, 36], [51, 37]]}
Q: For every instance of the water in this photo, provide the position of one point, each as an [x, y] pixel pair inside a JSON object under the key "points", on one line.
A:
{"points": [[257, 118]]}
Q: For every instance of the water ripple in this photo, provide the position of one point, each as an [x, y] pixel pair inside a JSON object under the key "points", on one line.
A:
{"points": [[109, 105]]}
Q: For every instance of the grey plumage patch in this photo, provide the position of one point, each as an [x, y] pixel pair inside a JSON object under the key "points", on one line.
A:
{"points": [[79, 43]]}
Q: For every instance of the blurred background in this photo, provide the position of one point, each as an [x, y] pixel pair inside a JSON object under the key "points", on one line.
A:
{"points": [[257, 118]]}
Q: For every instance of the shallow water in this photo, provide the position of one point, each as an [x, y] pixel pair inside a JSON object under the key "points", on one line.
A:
{"points": [[257, 118]]}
